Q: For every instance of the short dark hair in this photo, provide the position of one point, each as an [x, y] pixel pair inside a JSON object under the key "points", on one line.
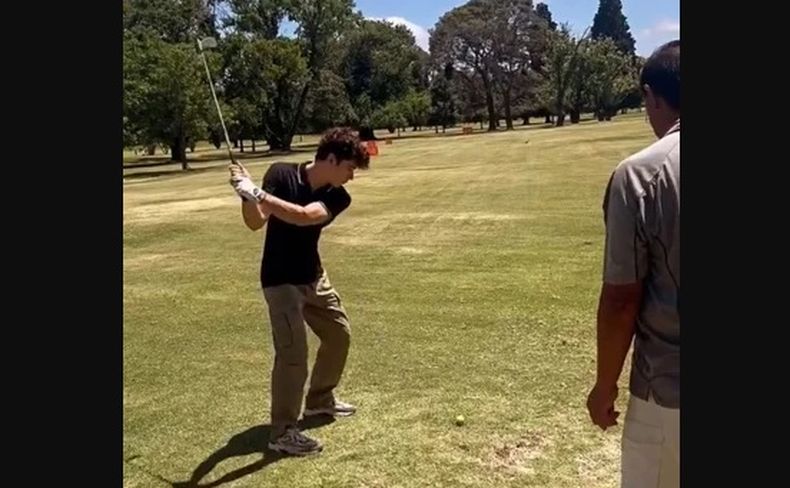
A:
{"points": [[662, 73], [344, 143]]}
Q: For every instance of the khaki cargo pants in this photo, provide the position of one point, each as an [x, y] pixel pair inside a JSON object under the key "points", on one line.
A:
{"points": [[290, 306]]}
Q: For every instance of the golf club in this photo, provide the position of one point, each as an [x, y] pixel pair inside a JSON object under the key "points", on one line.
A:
{"points": [[210, 43]]}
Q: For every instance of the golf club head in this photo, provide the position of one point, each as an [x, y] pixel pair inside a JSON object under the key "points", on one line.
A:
{"points": [[207, 43]]}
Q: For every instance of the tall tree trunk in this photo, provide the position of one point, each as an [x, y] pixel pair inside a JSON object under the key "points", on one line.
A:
{"points": [[508, 114], [178, 151], [492, 118]]}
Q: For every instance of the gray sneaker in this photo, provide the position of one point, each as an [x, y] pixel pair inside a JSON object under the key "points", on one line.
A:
{"points": [[339, 409], [295, 443]]}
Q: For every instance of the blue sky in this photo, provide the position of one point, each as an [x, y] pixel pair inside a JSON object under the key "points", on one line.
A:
{"points": [[652, 22]]}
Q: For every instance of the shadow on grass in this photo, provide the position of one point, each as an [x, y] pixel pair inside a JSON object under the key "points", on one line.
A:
{"points": [[251, 441]]}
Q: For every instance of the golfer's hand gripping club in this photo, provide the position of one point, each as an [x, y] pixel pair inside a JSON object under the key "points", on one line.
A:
{"points": [[238, 171], [242, 183]]}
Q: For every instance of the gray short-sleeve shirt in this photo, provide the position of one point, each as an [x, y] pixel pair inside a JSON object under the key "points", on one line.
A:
{"points": [[642, 215]]}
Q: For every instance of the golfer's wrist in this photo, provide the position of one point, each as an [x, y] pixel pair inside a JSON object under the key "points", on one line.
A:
{"points": [[605, 385]]}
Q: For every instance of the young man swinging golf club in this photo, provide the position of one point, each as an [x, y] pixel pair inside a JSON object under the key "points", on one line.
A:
{"points": [[298, 201]]}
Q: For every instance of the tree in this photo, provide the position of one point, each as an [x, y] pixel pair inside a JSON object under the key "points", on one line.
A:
{"points": [[286, 77], [416, 107], [443, 100], [579, 96], [164, 86], [172, 21], [561, 65], [244, 87], [528, 96], [421, 69], [256, 18], [294, 65], [609, 22], [542, 10], [462, 38], [243, 120], [633, 98], [611, 77], [389, 117], [500, 42], [380, 63], [319, 22], [472, 100], [328, 104], [517, 37], [165, 94]]}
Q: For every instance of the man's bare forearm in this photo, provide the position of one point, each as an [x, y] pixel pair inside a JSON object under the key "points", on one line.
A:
{"points": [[617, 312], [253, 215], [292, 213]]}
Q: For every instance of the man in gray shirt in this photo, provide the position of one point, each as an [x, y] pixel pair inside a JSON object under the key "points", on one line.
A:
{"points": [[640, 297]]}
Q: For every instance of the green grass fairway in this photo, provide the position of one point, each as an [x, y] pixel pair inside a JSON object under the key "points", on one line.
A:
{"points": [[470, 268]]}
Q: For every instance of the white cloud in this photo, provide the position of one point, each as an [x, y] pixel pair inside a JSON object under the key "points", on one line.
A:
{"points": [[663, 31], [421, 35], [663, 27]]}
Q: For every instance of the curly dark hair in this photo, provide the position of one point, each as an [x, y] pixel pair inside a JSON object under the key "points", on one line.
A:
{"points": [[344, 143]]}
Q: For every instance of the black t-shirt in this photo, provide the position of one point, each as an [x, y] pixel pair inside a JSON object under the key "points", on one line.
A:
{"points": [[290, 252]]}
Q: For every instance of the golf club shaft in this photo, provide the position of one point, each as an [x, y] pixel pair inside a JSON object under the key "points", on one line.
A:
{"points": [[219, 111]]}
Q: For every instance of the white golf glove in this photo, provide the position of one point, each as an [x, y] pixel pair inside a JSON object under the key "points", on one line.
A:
{"points": [[247, 189]]}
